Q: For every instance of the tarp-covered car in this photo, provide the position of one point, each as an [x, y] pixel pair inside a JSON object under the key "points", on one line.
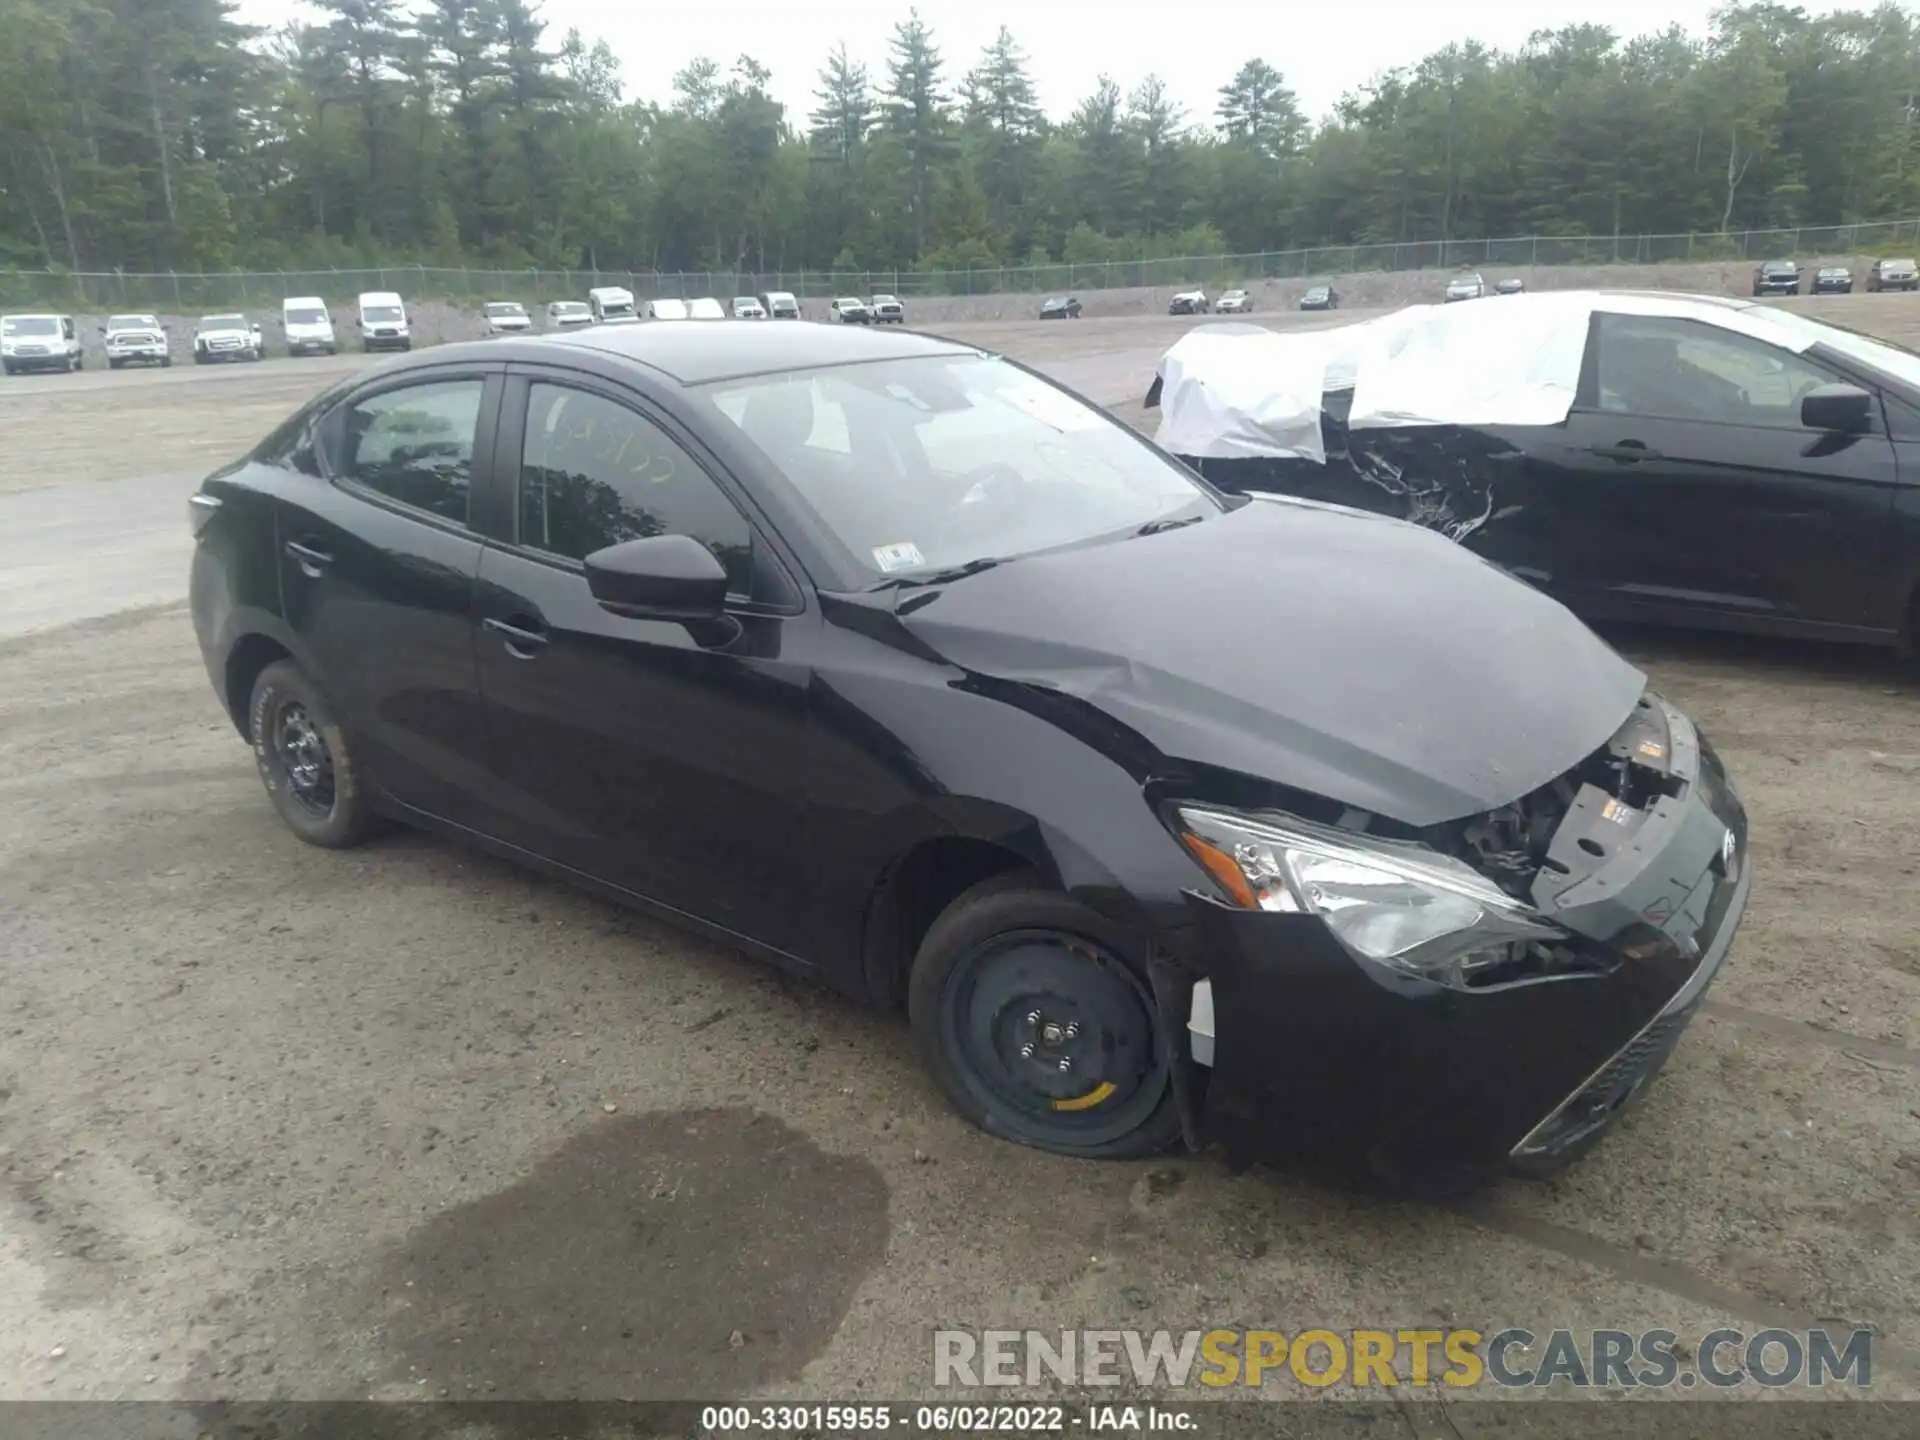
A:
{"points": [[1189, 302], [1638, 455]]}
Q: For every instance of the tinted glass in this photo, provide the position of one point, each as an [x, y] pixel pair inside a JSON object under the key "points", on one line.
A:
{"points": [[383, 315], [920, 464], [306, 315], [594, 473], [415, 445], [1689, 370]]}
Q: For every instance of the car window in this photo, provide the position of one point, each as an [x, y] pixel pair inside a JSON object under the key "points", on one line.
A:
{"points": [[1657, 365], [415, 445], [594, 473]]}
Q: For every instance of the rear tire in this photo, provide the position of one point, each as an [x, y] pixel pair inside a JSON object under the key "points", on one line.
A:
{"points": [[306, 762], [1032, 1016]]}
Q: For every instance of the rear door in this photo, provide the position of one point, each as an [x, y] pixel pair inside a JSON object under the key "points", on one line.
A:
{"points": [[671, 765], [377, 574], [1691, 488]]}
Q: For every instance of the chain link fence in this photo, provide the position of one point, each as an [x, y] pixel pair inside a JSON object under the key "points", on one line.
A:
{"points": [[186, 293]]}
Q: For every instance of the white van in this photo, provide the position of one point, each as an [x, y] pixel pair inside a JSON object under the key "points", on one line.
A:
{"points": [[781, 304], [39, 342], [383, 322], [610, 303], [667, 310], [307, 326]]}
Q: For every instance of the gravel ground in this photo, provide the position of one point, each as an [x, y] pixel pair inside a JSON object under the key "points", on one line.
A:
{"points": [[406, 1123]]}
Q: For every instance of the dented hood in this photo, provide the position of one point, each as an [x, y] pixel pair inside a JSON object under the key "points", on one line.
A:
{"points": [[1359, 658]]}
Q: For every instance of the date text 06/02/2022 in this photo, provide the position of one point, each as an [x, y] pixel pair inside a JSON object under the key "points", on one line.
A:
{"points": [[943, 1419]]}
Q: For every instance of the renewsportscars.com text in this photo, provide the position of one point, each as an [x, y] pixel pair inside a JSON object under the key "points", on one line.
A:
{"points": [[1459, 1358]]}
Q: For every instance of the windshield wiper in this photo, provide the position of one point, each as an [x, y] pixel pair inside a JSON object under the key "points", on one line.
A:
{"points": [[939, 577], [1168, 522]]}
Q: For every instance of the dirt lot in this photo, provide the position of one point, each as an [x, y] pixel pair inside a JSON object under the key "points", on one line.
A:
{"points": [[407, 1123]]}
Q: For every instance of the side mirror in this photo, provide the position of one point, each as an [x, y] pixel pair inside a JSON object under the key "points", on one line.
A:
{"points": [[660, 577], [1846, 409]]}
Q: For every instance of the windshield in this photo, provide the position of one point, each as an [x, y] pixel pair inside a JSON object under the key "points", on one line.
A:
{"points": [[507, 312], [1319, 292], [223, 322], [1778, 267], [132, 322], [30, 325], [919, 465], [382, 314], [306, 315], [1896, 360]]}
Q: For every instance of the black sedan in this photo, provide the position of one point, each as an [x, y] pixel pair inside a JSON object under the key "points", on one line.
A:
{"points": [[948, 703], [1832, 280], [1320, 297], [1763, 478], [1777, 277], [1060, 307]]}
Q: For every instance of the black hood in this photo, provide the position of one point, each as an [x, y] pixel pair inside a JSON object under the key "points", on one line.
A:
{"points": [[1359, 658]]}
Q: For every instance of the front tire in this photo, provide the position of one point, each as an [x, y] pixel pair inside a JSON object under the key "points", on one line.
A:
{"points": [[1034, 1019], [306, 762]]}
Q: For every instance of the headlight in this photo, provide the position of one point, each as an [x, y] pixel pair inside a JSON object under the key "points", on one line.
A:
{"points": [[1403, 906]]}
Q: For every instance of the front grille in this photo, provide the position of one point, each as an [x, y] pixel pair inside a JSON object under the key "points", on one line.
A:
{"points": [[1610, 1089]]}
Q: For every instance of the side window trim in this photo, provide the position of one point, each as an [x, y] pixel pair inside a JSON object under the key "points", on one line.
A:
{"points": [[770, 560], [329, 436]]}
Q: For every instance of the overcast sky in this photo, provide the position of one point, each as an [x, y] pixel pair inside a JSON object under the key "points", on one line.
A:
{"points": [[1195, 45]]}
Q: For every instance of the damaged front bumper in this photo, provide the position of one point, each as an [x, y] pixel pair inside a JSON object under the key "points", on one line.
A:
{"points": [[1298, 1048]]}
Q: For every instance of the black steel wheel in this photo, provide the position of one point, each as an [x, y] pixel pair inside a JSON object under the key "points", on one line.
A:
{"points": [[305, 761], [1038, 1026]]}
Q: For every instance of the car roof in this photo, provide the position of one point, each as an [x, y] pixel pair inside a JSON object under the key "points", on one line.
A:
{"points": [[697, 354]]}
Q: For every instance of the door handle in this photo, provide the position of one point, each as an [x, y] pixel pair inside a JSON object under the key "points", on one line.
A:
{"points": [[522, 641], [1629, 451], [312, 561]]}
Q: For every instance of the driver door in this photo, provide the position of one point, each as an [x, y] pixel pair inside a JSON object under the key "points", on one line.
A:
{"points": [[1694, 490], [671, 765]]}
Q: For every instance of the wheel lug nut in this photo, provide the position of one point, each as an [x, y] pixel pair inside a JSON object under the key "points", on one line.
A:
{"points": [[1033, 1017], [1065, 1063], [1026, 1052], [1072, 1030]]}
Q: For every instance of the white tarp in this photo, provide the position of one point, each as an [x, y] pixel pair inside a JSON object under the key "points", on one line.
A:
{"points": [[1239, 391]]}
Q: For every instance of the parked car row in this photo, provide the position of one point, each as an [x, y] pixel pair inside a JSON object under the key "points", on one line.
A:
{"points": [[1783, 277], [879, 310]]}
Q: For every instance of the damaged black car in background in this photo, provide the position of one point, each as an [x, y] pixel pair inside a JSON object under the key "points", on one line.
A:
{"points": [[891, 662], [1649, 457]]}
